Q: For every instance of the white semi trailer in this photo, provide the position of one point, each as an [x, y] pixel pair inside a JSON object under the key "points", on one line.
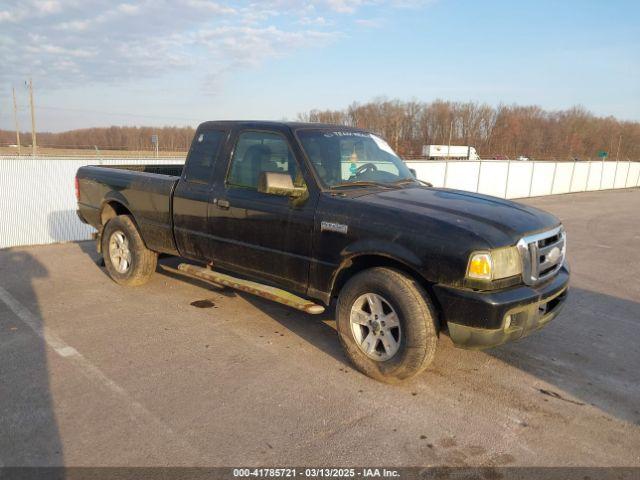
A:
{"points": [[454, 152]]}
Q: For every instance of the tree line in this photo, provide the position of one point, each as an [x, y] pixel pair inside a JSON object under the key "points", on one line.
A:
{"points": [[175, 139], [496, 132]]}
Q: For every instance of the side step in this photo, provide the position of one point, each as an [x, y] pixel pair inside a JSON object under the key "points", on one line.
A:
{"points": [[264, 291]]}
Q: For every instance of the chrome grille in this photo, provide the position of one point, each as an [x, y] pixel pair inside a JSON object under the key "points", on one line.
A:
{"points": [[542, 255]]}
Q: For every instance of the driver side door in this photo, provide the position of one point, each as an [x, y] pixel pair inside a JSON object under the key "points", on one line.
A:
{"points": [[262, 235]]}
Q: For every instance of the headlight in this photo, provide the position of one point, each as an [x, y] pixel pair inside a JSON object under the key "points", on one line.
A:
{"points": [[494, 264]]}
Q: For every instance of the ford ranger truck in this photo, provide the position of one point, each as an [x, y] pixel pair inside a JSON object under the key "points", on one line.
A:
{"points": [[312, 215]]}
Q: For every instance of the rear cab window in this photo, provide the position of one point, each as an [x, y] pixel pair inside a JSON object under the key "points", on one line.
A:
{"points": [[203, 155]]}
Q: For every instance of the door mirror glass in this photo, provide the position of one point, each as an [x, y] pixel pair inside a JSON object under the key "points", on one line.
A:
{"points": [[276, 183]]}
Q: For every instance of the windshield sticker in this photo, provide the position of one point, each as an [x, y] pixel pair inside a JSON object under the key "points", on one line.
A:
{"points": [[382, 145], [346, 134]]}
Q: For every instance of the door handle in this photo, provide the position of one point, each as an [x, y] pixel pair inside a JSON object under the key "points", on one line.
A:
{"points": [[222, 203]]}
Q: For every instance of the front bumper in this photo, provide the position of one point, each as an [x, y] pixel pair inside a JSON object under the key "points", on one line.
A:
{"points": [[478, 320]]}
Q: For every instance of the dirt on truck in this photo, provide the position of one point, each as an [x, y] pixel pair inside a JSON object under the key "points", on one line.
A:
{"points": [[309, 215]]}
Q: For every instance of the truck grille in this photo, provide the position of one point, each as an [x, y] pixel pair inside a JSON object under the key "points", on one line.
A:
{"points": [[542, 255]]}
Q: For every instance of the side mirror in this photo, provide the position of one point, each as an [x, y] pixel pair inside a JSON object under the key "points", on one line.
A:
{"points": [[413, 172], [278, 183]]}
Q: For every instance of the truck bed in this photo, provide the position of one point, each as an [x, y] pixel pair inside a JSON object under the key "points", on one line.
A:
{"points": [[173, 170], [144, 190]]}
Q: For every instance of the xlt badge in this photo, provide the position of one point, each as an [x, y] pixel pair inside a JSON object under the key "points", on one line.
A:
{"points": [[334, 227]]}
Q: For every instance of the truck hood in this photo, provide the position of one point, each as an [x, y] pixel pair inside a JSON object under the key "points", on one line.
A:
{"points": [[499, 222]]}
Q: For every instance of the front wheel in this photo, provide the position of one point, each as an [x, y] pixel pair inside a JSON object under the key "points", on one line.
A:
{"points": [[127, 260], [386, 324]]}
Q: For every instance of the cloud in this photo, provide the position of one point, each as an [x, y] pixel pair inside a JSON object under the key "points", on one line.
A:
{"points": [[344, 6], [319, 21], [48, 7], [210, 6], [369, 22], [44, 48], [71, 42]]}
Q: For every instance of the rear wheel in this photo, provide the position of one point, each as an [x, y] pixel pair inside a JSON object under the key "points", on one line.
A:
{"points": [[386, 324], [127, 260]]}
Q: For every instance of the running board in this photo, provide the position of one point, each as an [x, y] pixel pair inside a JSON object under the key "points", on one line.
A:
{"points": [[264, 291]]}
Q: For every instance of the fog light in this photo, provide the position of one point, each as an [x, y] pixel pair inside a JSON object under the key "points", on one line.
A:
{"points": [[507, 322]]}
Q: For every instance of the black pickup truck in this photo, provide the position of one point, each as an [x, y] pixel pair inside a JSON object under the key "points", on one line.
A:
{"points": [[305, 214]]}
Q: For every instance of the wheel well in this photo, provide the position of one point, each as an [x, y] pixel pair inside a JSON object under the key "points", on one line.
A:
{"points": [[363, 262], [114, 209], [111, 210]]}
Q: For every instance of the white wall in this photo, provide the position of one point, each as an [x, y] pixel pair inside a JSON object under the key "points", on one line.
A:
{"points": [[38, 201], [514, 179], [38, 204]]}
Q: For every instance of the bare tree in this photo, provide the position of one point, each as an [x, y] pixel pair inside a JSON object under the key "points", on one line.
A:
{"points": [[506, 130]]}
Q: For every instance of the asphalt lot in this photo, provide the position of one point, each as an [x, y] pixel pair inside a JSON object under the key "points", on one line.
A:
{"points": [[95, 374]]}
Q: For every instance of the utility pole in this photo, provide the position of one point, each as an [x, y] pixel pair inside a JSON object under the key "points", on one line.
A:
{"points": [[34, 145], [15, 118]]}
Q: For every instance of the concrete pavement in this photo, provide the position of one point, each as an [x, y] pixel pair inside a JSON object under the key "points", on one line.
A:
{"points": [[95, 374]]}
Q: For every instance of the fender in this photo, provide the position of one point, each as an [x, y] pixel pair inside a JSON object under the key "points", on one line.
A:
{"points": [[116, 197], [383, 248], [108, 201], [389, 254]]}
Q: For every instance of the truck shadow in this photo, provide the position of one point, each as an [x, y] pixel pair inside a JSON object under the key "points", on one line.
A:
{"points": [[311, 328], [168, 267], [30, 435], [591, 351], [314, 329]]}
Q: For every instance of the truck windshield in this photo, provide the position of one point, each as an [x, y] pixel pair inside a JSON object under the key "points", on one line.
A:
{"points": [[351, 158]]}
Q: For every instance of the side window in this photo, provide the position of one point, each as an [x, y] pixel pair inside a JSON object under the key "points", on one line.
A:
{"points": [[202, 156], [258, 152]]}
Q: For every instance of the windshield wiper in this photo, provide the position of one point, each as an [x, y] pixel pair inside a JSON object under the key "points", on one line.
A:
{"points": [[361, 183], [412, 180]]}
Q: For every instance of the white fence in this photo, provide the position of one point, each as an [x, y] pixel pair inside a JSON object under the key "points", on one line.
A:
{"points": [[38, 201], [515, 179], [38, 204]]}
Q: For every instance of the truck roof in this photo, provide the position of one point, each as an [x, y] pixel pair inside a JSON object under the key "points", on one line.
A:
{"points": [[275, 125]]}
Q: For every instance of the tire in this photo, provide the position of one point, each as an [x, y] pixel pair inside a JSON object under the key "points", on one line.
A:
{"points": [[140, 262], [415, 336]]}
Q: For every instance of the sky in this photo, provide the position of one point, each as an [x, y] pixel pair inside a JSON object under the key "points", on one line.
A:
{"points": [[181, 62]]}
